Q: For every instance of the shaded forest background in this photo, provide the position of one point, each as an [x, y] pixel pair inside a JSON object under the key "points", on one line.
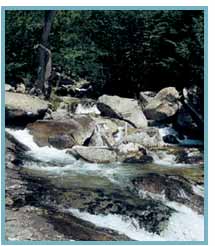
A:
{"points": [[119, 52]]}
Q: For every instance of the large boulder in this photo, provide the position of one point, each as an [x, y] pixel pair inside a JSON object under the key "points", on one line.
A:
{"points": [[163, 105], [185, 124], [108, 131], [127, 108], [126, 153], [94, 154], [62, 134], [148, 137], [145, 97], [21, 109]]}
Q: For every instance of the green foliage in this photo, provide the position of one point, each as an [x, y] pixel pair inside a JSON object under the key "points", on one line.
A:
{"points": [[120, 52]]}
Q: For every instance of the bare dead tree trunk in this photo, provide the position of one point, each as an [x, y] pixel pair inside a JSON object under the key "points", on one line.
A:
{"points": [[45, 62]]}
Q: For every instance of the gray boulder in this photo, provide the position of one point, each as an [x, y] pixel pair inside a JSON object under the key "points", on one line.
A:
{"points": [[163, 105], [94, 154], [22, 108], [62, 134], [186, 124], [107, 131], [145, 97], [9, 88], [148, 137], [127, 108]]}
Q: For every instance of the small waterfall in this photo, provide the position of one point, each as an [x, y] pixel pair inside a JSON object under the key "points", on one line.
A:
{"points": [[44, 154], [162, 157], [119, 136], [97, 136], [184, 225], [167, 131], [87, 109], [185, 141]]}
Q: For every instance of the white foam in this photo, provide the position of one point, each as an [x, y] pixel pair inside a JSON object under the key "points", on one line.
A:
{"points": [[46, 153], [119, 136], [79, 168], [184, 225], [86, 110], [163, 158], [186, 141], [198, 189], [167, 131]]}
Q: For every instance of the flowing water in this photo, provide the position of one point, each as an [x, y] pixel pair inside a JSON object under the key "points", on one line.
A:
{"points": [[63, 170]]}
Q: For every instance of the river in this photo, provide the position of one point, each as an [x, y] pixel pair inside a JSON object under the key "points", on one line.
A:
{"points": [[108, 184]]}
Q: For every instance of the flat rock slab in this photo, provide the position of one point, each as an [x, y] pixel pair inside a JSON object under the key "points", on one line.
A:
{"points": [[128, 108], [94, 154]]}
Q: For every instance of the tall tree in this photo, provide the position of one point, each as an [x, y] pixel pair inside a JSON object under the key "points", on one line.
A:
{"points": [[45, 62]]}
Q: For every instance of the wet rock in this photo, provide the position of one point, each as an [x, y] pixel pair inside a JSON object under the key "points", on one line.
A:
{"points": [[174, 188], [77, 229], [163, 105], [149, 214], [16, 187], [144, 159], [62, 134], [186, 124], [171, 139], [60, 141], [190, 156], [21, 109], [94, 154], [127, 108]]}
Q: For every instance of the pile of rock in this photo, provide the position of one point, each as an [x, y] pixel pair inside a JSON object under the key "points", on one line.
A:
{"points": [[97, 131]]}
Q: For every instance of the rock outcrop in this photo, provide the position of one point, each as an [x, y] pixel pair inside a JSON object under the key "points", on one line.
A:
{"points": [[21, 109], [163, 105], [126, 108], [62, 134]]}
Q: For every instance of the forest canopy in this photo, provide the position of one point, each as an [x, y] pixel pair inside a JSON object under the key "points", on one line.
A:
{"points": [[119, 52]]}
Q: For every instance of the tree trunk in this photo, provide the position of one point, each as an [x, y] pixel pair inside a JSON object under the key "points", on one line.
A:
{"points": [[45, 63]]}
